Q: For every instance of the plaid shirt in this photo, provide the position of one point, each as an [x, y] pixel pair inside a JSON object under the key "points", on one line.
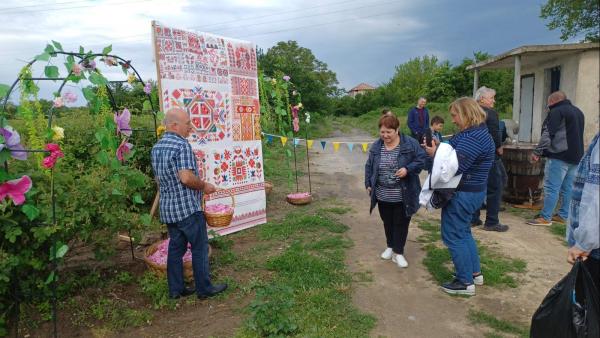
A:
{"points": [[169, 155]]}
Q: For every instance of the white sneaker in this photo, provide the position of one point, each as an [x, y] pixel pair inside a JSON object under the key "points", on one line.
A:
{"points": [[387, 254], [478, 280], [400, 260]]}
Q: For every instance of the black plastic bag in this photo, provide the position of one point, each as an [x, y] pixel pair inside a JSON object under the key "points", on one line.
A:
{"points": [[570, 309]]}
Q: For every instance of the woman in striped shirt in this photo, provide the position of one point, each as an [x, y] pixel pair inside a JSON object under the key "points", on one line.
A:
{"points": [[392, 181], [475, 151]]}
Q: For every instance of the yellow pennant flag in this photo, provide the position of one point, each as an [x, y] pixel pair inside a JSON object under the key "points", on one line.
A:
{"points": [[364, 147], [309, 143], [336, 146], [283, 140]]}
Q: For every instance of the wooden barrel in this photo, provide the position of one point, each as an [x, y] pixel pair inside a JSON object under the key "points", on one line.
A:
{"points": [[525, 178]]}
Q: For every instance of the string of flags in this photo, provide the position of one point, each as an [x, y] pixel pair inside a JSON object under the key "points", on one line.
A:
{"points": [[364, 146]]}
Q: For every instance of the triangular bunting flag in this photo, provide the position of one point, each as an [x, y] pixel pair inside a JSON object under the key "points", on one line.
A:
{"points": [[309, 144], [296, 142], [323, 143], [336, 146], [269, 138], [364, 147], [350, 146], [283, 140]]}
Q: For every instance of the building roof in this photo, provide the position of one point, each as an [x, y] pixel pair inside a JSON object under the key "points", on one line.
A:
{"points": [[362, 86], [533, 54]]}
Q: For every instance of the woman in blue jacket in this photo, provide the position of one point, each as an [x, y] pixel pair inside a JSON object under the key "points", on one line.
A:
{"points": [[392, 181], [475, 152]]}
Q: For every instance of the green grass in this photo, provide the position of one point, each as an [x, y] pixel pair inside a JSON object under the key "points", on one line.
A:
{"points": [[498, 325], [308, 294], [558, 229], [335, 210], [497, 269]]}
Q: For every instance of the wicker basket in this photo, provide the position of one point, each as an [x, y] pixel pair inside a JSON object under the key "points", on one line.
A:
{"points": [[299, 200], [161, 270], [218, 220], [268, 187]]}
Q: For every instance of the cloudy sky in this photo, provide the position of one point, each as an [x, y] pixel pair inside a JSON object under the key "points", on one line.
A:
{"points": [[360, 40]]}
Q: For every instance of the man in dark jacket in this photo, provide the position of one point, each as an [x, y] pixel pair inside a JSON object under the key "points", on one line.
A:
{"points": [[418, 120], [486, 97], [562, 144]]}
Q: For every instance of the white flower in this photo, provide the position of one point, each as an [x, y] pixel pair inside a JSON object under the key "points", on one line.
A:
{"points": [[58, 133], [307, 117]]}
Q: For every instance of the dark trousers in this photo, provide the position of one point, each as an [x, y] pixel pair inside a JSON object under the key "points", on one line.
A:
{"points": [[495, 185], [189, 230], [395, 223]]}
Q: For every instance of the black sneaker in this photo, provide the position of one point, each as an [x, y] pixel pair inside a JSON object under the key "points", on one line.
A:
{"points": [[457, 287], [497, 227], [186, 292], [477, 278], [478, 223], [216, 289]]}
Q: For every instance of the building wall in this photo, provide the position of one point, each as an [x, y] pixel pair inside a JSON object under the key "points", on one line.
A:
{"points": [[587, 94]]}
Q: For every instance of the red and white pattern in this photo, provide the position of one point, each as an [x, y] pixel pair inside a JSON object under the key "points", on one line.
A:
{"points": [[215, 80]]}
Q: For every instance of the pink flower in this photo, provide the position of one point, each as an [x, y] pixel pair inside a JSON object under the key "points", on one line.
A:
{"points": [[296, 123], [76, 69], [286, 78], [110, 61], [69, 97], [55, 153], [58, 102], [295, 111], [124, 149], [15, 189]]}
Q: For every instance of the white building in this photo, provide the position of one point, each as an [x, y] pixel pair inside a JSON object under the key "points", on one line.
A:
{"points": [[543, 69]]}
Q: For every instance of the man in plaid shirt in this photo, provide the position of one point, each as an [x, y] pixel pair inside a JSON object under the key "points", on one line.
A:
{"points": [[181, 189]]}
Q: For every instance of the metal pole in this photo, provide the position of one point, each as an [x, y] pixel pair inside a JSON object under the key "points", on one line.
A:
{"points": [[295, 163], [308, 163], [475, 80], [54, 265]]}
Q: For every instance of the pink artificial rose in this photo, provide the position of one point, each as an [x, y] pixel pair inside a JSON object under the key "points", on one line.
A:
{"points": [[49, 162], [296, 123], [52, 147], [76, 69]]}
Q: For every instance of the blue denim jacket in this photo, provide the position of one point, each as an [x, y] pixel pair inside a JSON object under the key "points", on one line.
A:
{"points": [[413, 158]]}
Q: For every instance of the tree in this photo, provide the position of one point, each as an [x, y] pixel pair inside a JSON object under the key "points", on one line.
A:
{"points": [[311, 76], [573, 17], [411, 78], [440, 87]]}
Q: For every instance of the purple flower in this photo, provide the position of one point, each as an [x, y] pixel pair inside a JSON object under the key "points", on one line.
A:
{"points": [[89, 64], [12, 141], [286, 78], [148, 88], [122, 122]]}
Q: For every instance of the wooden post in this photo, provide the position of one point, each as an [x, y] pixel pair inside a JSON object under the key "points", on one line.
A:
{"points": [[517, 89]]}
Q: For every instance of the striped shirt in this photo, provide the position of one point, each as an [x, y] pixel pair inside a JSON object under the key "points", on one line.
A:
{"points": [[388, 187], [171, 154], [475, 151]]}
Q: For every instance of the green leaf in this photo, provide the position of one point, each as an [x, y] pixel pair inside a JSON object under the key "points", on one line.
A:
{"points": [[107, 49], [12, 233], [51, 71], [49, 49], [62, 251], [116, 192], [57, 45], [146, 219], [4, 90], [89, 94], [71, 59], [146, 106], [97, 79], [81, 50], [43, 57], [30, 211], [137, 199], [50, 278]]}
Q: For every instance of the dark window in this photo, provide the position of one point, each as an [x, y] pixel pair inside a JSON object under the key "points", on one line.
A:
{"points": [[554, 79]]}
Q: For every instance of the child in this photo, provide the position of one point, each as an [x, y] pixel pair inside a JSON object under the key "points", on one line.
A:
{"points": [[437, 124]]}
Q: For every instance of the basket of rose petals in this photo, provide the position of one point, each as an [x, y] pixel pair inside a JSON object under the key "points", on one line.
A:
{"points": [[218, 215], [299, 198], [156, 259]]}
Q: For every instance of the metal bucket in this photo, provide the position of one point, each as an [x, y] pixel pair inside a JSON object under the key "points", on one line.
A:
{"points": [[525, 178]]}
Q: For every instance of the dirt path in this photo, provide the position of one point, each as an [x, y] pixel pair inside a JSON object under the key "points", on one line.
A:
{"points": [[407, 303]]}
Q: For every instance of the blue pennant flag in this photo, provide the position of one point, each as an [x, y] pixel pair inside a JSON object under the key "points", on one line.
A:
{"points": [[350, 146], [323, 144], [296, 142], [269, 138]]}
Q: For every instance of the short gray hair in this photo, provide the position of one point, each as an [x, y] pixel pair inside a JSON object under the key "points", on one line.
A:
{"points": [[483, 91]]}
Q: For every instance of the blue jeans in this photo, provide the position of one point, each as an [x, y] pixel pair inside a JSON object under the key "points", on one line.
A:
{"points": [[193, 230], [558, 181], [456, 233], [495, 185]]}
